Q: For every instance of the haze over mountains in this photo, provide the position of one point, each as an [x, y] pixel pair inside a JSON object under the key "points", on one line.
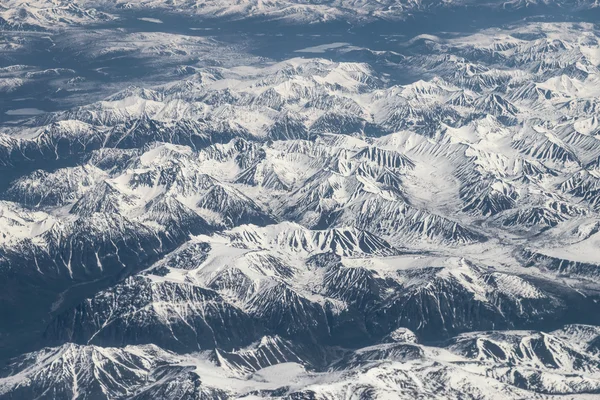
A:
{"points": [[50, 14], [299, 200]]}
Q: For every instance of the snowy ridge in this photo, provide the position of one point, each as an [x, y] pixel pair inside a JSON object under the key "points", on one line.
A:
{"points": [[463, 367], [288, 236]]}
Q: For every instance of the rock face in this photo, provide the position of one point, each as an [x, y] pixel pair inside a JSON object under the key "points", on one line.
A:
{"points": [[299, 200]]}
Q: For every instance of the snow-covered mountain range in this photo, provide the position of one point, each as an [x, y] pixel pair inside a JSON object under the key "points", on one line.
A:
{"points": [[52, 14], [416, 217]]}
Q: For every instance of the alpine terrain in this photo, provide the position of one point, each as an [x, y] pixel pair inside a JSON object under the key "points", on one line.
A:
{"points": [[300, 199]]}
